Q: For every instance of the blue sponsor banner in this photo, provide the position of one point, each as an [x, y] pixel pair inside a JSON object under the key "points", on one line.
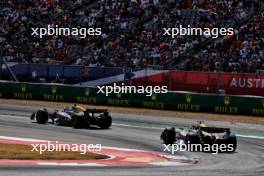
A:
{"points": [[25, 72]]}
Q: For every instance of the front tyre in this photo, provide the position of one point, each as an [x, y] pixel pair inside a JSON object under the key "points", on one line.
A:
{"points": [[168, 136], [104, 122], [42, 117]]}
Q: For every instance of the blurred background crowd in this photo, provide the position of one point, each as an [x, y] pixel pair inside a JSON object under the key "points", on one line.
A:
{"points": [[132, 33]]}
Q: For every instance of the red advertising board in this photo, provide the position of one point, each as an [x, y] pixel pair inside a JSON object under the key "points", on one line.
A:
{"points": [[207, 82]]}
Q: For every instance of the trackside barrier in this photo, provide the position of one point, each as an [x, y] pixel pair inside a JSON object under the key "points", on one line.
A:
{"points": [[191, 102]]}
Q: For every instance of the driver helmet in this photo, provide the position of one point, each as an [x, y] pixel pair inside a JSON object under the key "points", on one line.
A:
{"points": [[201, 124], [75, 107]]}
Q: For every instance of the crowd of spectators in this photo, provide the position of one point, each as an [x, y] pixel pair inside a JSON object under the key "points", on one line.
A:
{"points": [[16, 19], [242, 52], [132, 33]]}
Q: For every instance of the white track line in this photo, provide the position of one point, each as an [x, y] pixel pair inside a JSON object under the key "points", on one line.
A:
{"points": [[135, 126], [22, 139], [250, 136], [169, 163], [69, 164], [158, 128]]}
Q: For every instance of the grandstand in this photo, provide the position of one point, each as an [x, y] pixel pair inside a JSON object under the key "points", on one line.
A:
{"points": [[132, 38]]}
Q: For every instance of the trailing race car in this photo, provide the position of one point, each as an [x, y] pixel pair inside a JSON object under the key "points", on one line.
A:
{"points": [[77, 117], [200, 134]]}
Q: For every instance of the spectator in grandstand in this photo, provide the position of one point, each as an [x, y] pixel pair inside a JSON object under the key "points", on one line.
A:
{"points": [[242, 52], [132, 33]]}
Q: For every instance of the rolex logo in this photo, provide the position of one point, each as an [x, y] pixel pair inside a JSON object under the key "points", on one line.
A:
{"points": [[153, 97], [54, 89], [87, 92], [23, 87], [119, 95], [227, 101], [188, 98]]}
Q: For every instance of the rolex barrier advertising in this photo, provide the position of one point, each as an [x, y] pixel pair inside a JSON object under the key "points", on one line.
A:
{"points": [[171, 101]]}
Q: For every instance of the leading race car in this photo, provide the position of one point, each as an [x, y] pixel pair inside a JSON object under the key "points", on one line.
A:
{"points": [[201, 134], [76, 116]]}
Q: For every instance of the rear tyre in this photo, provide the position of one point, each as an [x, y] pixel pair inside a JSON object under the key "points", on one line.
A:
{"points": [[78, 122], [42, 117], [104, 122], [232, 140], [168, 136]]}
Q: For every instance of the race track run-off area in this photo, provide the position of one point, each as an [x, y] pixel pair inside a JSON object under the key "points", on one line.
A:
{"points": [[133, 145], [117, 156]]}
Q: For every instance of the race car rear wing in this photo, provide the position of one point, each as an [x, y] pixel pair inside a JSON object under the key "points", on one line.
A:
{"points": [[96, 111], [215, 130]]}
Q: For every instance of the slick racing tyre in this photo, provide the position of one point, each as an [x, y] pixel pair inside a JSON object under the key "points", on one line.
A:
{"points": [[78, 122], [104, 122], [168, 136], [232, 140], [42, 117]]}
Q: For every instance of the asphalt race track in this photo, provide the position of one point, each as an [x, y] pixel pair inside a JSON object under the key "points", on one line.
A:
{"points": [[134, 132]]}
